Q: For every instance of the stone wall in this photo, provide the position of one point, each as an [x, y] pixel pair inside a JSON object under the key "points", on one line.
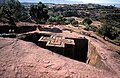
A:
{"points": [[70, 51], [81, 49], [7, 29], [93, 58], [25, 29], [14, 29], [92, 55]]}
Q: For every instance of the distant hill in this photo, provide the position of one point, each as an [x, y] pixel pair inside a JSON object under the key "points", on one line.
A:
{"points": [[55, 2], [62, 1], [27, 3], [31, 3], [108, 4]]}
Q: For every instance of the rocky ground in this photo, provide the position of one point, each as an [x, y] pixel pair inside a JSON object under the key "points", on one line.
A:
{"points": [[20, 59]]}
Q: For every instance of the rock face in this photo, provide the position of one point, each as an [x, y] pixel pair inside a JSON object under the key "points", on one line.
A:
{"points": [[20, 59]]}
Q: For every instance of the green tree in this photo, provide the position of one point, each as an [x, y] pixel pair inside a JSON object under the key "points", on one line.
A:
{"points": [[70, 20], [70, 13], [109, 30], [87, 21], [12, 11], [39, 12], [74, 22], [60, 20], [57, 20], [51, 19]]}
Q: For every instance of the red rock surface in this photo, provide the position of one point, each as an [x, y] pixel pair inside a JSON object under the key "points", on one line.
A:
{"points": [[20, 59]]}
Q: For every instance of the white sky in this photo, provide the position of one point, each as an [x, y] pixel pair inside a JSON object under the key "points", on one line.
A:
{"points": [[85, 1], [98, 1]]}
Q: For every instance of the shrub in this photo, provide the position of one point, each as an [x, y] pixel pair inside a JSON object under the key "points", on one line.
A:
{"points": [[87, 21], [39, 12]]}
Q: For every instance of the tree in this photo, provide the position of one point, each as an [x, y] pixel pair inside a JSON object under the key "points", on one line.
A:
{"points": [[51, 19], [57, 20], [70, 20], [70, 13], [74, 22], [7, 14], [39, 12], [87, 21], [12, 11], [109, 30]]}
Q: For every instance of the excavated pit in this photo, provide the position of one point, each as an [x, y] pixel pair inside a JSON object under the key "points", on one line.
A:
{"points": [[79, 49], [74, 48]]}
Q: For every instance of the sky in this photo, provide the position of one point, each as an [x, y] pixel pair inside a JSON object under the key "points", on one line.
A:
{"points": [[99, 1], [73, 1]]}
